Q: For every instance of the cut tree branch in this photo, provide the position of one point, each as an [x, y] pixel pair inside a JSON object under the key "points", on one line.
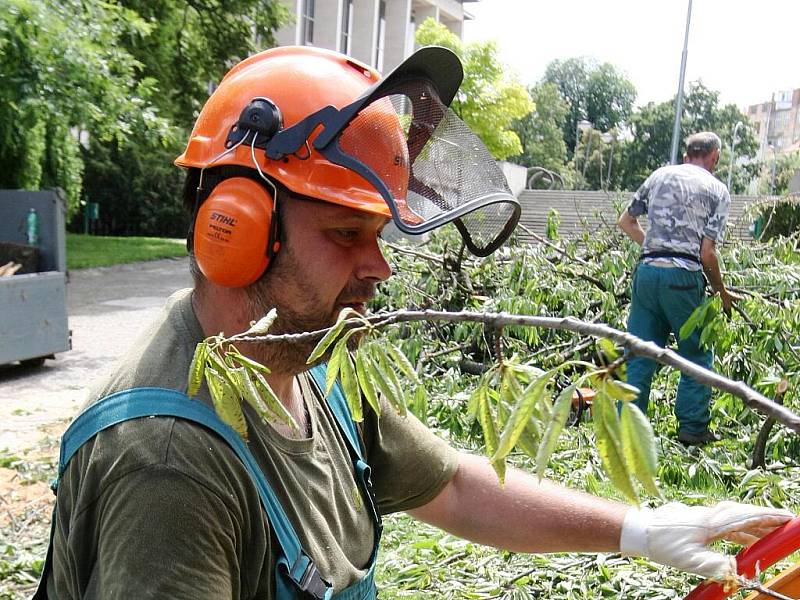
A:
{"points": [[631, 343]]}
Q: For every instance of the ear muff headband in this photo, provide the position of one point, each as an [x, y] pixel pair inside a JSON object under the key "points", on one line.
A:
{"points": [[235, 233]]}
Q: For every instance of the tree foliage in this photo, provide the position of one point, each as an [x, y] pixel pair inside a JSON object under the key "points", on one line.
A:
{"points": [[126, 78], [540, 132], [652, 125], [193, 43], [597, 92], [489, 99], [189, 45], [62, 71]]}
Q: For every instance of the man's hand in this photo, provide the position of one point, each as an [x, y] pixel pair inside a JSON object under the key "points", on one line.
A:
{"points": [[728, 298], [677, 535]]}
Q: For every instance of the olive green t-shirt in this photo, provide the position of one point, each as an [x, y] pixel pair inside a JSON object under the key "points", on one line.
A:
{"points": [[160, 507]]}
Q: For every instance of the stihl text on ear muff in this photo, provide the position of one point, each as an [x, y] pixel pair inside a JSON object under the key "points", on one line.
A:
{"points": [[235, 232]]}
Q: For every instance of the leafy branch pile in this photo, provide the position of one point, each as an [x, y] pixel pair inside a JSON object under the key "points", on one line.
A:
{"points": [[490, 388]]}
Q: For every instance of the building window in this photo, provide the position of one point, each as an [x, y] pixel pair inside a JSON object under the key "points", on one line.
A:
{"points": [[381, 35], [307, 23], [347, 26], [780, 121]]}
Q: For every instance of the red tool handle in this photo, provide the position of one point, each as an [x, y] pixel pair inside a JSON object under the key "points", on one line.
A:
{"points": [[764, 553]]}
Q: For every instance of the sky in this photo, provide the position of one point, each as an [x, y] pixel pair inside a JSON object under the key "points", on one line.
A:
{"points": [[744, 49]]}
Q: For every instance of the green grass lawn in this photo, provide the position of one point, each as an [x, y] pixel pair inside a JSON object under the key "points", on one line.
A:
{"points": [[99, 251]]}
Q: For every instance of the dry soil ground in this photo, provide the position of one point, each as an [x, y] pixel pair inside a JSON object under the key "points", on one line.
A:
{"points": [[107, 307]]}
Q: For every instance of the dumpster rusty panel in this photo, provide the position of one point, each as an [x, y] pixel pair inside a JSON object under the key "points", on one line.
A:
{"points": [[33, 316]]}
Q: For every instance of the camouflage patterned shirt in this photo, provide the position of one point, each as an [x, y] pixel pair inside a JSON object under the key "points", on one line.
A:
{"points": [[683, 203]]}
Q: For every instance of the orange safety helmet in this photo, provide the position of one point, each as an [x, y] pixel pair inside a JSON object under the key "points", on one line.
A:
{"points": [[298, 81], [326, 126]]}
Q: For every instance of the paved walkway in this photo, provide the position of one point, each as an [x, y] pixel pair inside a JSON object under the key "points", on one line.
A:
{"points": [[108, 307]]}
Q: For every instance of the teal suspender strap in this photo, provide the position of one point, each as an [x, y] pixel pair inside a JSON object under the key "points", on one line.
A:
{"points": [[365, 588], [145, 402], [339, 408], [296, 570]]}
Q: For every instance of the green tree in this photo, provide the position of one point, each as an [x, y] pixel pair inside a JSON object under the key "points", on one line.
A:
{"points": [[652, 127], [540, 132], [489, 99], [62, 71], [597, 92], [193, 43], [188, 45]]}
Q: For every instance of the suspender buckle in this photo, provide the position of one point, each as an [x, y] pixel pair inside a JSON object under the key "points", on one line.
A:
{"points": [[311, 583]]}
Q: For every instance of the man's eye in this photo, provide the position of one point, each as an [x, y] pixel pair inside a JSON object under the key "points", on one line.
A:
{"points": [[347, 234]]}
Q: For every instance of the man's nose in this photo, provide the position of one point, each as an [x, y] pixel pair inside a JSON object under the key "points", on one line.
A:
{"points": [[372, 263]]}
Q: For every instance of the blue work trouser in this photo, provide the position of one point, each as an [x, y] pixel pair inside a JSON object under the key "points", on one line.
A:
{"points": [[662, 298]]}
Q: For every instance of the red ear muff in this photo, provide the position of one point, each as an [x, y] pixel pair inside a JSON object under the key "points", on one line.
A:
{"points": [[232, 232]]}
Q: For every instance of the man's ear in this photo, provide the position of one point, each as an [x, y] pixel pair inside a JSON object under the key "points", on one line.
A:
{"points": [[714, 159]]}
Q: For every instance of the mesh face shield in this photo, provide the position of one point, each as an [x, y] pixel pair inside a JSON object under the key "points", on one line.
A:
{"points": [[429, 167]]}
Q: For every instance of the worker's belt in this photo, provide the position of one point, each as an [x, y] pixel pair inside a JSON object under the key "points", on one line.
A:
{"points": [[670, 254]]}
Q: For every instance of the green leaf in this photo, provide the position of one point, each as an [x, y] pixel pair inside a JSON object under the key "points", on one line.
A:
{"points": [[528, 442], [249, 392], [332, 370], [196, 369], [619, 390], [555, 426], [606, 425], [399, 393], [713, 308], [521, 414], [332, 334], [639, 446], [687, 329], [377, 370], [609, 349], [221, 368], [490, 436], [275, 406], [352, 394], [263, 324], [365, 381], [249, 363], [473, 403], [419, 404], [226, 402], [402, 362]]}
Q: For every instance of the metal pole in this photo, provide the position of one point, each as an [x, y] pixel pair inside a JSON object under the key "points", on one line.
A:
{"points": [[676, 129], [610, 162], [733, 151], [586, 158], [772, 179], [601, 168]]}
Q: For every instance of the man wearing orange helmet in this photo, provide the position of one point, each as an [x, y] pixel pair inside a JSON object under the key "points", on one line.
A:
{"points": [[296, 163]]}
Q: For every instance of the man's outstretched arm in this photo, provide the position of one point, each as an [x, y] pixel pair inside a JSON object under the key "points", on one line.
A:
{"points": [[526, 515]]}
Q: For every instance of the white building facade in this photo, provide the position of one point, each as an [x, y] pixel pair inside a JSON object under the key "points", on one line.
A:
{"points": [[379, 33]]}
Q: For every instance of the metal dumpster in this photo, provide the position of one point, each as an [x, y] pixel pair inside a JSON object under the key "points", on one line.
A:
{"points": [[33, 305]]}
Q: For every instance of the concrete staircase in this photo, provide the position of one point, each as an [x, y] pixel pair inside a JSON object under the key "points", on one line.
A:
{"points": [[593, 212]]}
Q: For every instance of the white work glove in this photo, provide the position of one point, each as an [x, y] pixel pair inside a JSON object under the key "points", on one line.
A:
{"points": [[677, 535]]}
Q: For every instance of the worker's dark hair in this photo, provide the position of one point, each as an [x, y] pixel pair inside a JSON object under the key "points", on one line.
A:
{"points": [[702, 144]]}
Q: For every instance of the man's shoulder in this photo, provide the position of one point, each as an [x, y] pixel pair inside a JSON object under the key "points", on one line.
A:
{"points": [[160, 357], [183, 448]]}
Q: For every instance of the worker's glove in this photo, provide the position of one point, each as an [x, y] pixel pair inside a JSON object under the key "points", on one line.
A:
{"points": [[677, 535]]}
